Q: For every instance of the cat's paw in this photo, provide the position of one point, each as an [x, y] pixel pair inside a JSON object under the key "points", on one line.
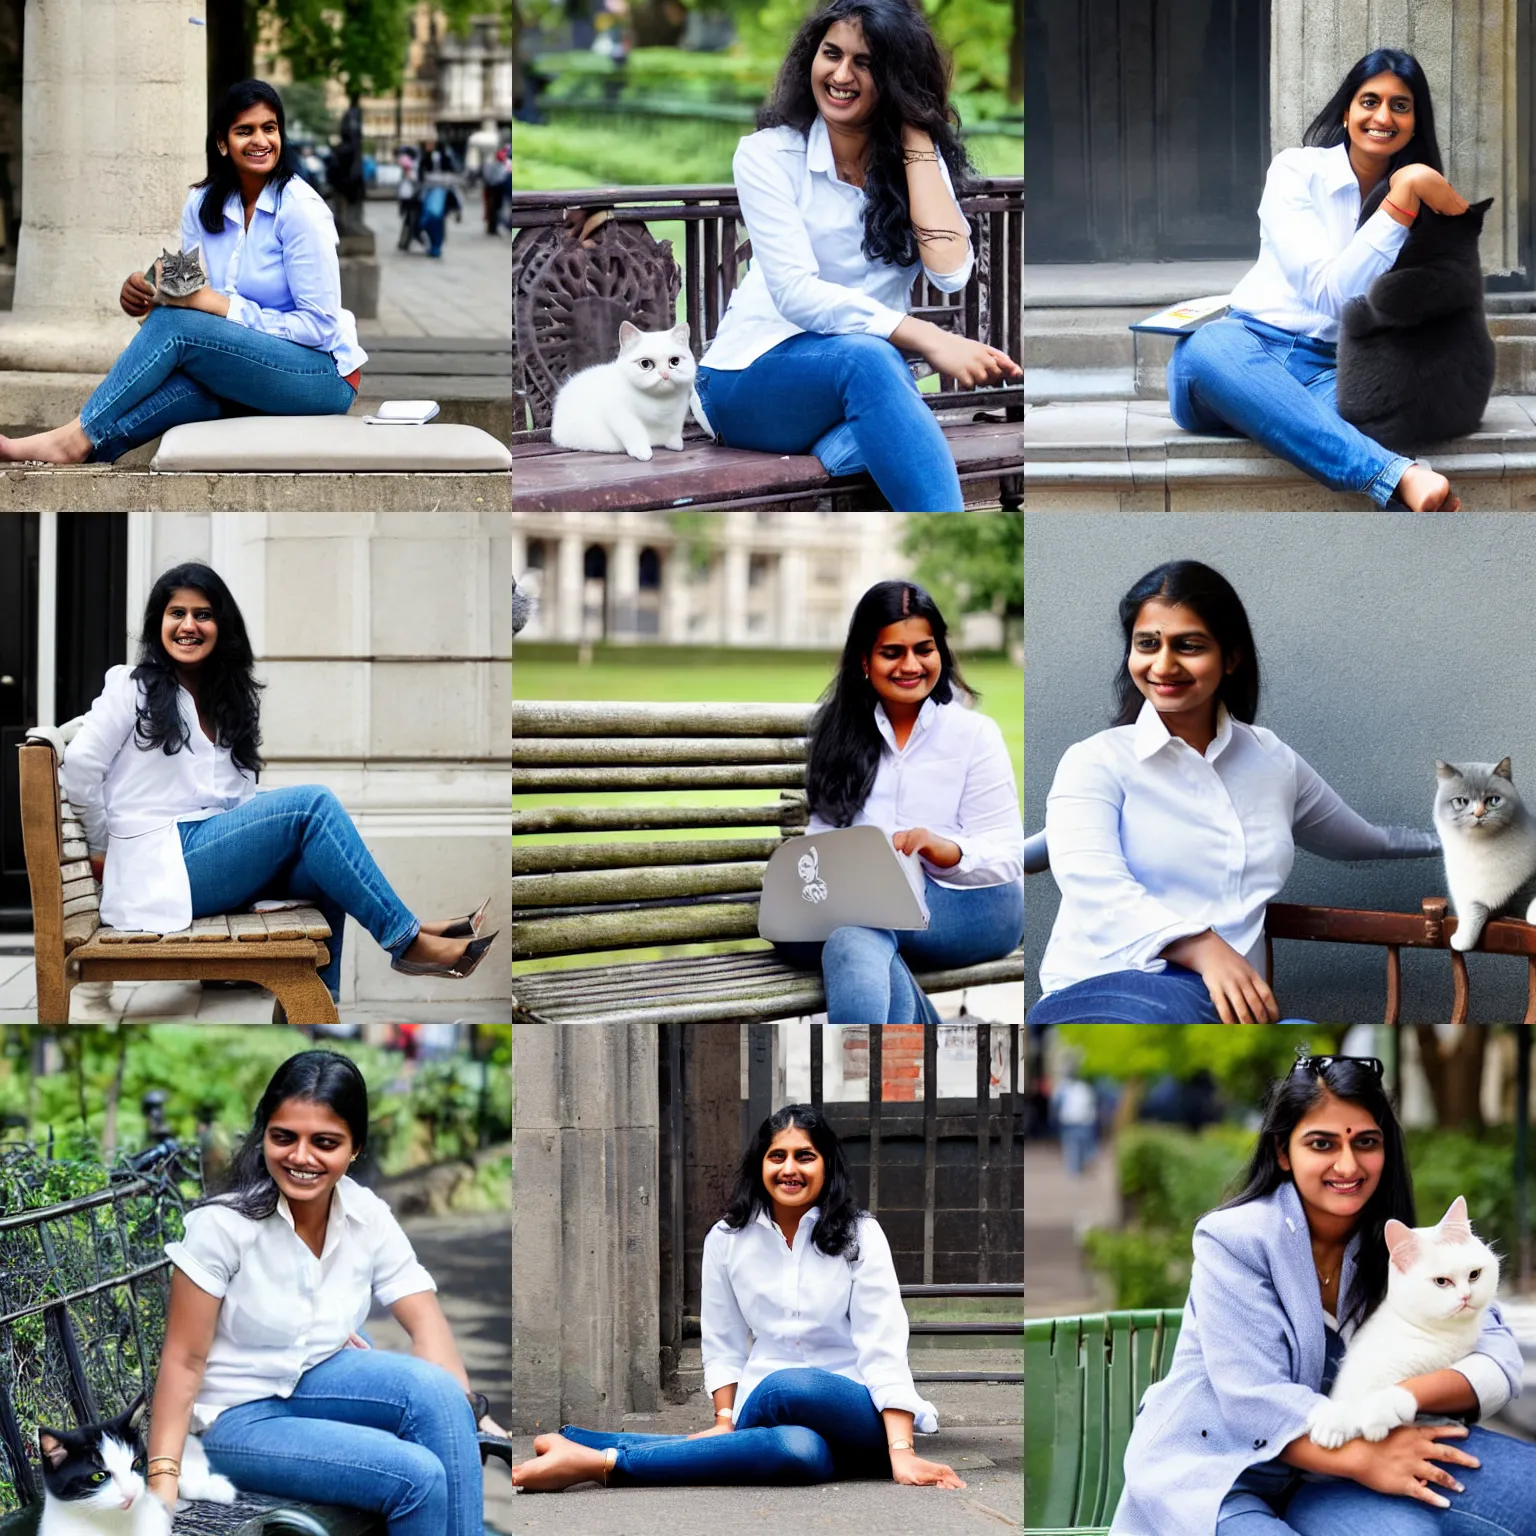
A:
{"points": [[1330, 1425], [674, 443], [643, 452], [1465, 937], [1382, 1412], [213, 1488]]}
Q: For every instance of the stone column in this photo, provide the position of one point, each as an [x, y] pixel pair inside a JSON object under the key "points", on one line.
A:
{"points": [[791, 594], [565, 592], [1469, 53], [585, 1259], [113, 122], [734, 594], [623, 588]]}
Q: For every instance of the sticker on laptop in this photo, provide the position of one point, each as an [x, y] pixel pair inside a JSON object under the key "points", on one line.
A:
{"points": [[814, 889]]}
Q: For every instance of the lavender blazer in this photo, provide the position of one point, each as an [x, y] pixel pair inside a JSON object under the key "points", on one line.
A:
{"points": [[1246, 1370]]}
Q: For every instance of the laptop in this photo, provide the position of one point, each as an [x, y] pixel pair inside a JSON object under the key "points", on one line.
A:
{"points": [[848, 877]]}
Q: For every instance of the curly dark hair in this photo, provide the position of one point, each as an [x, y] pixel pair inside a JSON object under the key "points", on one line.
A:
{"points": [[912, 74], [837, 1228], [227, 690]]}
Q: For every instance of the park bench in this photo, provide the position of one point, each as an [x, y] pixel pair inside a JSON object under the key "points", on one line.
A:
{"points": [[1086, 1377], [594, 898], [280, 951], [583, 261]]}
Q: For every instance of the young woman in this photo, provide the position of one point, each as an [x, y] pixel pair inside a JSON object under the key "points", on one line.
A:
{"points": [[849, 187], [266, 333], [804, 1336], [1171, 832], [1283, 1274], [163, 773], [893, 747], [262, 1355], [1267, 369]]}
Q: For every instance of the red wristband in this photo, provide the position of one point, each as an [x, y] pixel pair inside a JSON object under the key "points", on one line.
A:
{"points": [[1387, 202]]}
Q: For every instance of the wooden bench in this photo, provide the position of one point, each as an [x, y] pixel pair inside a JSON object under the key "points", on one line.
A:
{"points": [[281, 951], [1086, 1376], [595, 898], [583, 261]]}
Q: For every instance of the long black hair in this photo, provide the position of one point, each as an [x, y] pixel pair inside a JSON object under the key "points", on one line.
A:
{"points": [[1294, 1096], [836, 1231], [222, 177], [316, 1077], [912, 74], [227, 688], [1206, 592], [845, 743], [1423, 148]]}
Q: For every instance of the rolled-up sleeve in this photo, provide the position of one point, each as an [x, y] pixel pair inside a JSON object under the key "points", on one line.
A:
{"points": [[1496, 1367], [307, 234], [878, 1323], [724, 1335], [89, 757], [781, 249], [991, 838], [397, 1271]]}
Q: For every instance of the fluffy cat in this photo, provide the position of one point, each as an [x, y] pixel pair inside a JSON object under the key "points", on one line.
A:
{"points": [[1439, 1285], [1489, 842], [1416, 361], [93, 1479], [633, 404], [181, 274]]}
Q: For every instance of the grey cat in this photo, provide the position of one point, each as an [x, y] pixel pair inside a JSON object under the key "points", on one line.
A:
{"points": [[1489, 841], [181, 274], [522, 606]]}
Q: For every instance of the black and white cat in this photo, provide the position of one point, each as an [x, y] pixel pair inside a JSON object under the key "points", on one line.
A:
{"points": [[94, 1485], [1416, 362]]}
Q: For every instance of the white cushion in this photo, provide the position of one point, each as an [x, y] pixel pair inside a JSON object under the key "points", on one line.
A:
{"points": [[339, 444]]}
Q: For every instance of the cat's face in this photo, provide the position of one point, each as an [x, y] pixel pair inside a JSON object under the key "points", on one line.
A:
{"points": [[656, 362], [181, 272], [1475, 799], [96, 1467], [1439, 1273]]}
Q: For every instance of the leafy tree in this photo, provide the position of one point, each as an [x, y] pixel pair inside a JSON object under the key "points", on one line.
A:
{"points": [[972, 562]]}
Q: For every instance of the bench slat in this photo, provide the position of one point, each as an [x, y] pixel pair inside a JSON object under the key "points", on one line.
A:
{"points": [[75, 848], [634, 930], [123, 935], [248, 927], [77, 869], [210, 930], [667, 751], [78, 927], [602, 718], [534, 781], [75, 889], [571, 890], [788, 813], [80, 904], [557, 858]]}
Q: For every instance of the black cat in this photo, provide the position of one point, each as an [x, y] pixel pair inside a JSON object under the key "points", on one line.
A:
{"points": [[1416, 361]]}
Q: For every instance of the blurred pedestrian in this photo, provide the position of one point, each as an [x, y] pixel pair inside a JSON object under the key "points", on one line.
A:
{"points": [[495, 186], [1075, 1107]]}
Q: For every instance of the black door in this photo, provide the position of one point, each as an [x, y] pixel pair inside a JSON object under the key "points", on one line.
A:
{"points": [[1146, 128], [18, 704]]}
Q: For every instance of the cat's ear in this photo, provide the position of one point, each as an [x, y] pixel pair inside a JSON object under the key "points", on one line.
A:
{"points": [[1501, 770], [1402, 1244], [1446, 770], [680, 333], [133, 1414], [50, 1447], [1455, 1227], [628, 334]]}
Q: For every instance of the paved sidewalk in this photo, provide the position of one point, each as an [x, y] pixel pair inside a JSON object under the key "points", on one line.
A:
{"points": [[1057, 1210], [467, 291]]}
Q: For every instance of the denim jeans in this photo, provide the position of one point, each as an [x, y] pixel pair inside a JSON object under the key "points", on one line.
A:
{"points": [[185, 365], [803, 1425], [1174, 996], [851, 401], [1239, 376], [374, 1430], [1078, 1143], [865, 970], [295, 842], [1498, 1501]]}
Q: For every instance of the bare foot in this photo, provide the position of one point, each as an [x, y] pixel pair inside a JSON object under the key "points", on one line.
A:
{"points": [[64, 445], [1422, 489], [560, 1463]]}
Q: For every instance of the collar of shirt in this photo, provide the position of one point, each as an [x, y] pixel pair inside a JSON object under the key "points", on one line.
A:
{"points": [[343, 1203], [234, 205], [1339, 174], [764, 1218], [819, 157], [887, 731], [1151, 735]]}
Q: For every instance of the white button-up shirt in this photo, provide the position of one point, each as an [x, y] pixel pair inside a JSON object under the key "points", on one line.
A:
{"points": [[808, 270], [1150, 842], [282, 275], [954, 776], [285, 1310], [129, 800], [1312, 259], [768, 1307]]}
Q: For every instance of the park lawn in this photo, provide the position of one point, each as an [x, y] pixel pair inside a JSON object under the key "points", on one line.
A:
{"points": [[654, 674]]}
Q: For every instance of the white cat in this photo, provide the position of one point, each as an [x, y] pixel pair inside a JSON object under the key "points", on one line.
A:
{"points": [[637, 402], [1439, 1284], [1489, 842]]}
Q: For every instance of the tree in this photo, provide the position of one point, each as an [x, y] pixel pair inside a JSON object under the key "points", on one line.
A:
{"points": [[972, 562]]}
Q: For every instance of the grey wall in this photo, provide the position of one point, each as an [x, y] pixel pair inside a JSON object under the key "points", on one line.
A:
{"points": [[1386, 641]]}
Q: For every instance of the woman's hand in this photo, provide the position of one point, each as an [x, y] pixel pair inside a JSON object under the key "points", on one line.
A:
{"points": [[908, 1467], [929, 845], [1404, 1463], [137, 297], [1240, 994], [1415, 184], [722, 1427], [207, 299], [971, 364]]}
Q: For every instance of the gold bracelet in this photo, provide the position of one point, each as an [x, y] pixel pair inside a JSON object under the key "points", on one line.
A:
{"points": [[900, 1445], [610, 1458], [723, 1413], [163, 1462]]}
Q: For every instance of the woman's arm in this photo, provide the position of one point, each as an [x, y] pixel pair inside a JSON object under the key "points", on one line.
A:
{"points": [[723, 1330], [1404, 1464], [431, 1337], [906, 1465], [89, 757], [307, 233], [1322, 823], [189, 1330], [725, 1419], [943, 236], [1447, 1391]]}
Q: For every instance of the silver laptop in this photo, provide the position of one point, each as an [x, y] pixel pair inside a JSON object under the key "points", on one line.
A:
{"points": [[848, 877]]}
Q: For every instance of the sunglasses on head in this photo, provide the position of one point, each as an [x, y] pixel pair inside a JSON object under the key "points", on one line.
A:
{"points": [[1317, 1065]]}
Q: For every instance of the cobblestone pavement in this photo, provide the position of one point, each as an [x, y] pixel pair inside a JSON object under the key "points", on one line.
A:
{"points": [[467, 291]]}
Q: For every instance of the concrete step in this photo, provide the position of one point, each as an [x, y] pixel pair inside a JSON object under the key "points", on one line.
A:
{"points": [[1128, 455], [1042, 386], [1089, 336]]}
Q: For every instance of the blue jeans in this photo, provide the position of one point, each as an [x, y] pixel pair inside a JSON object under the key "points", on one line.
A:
{"points": [[1239, 376], [1078, 1143], [185, 365], [803, 1425], [1174, 996], [851, 401], [865, 970], [378, 1431], [295, 842], [1498, 1501]]}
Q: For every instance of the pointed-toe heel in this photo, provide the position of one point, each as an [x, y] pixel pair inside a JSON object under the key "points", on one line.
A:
{"points": [[463, 967], [468, 927]]}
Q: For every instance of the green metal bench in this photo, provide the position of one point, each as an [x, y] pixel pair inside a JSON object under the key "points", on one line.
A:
{"points": [[1084, 1378]]}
